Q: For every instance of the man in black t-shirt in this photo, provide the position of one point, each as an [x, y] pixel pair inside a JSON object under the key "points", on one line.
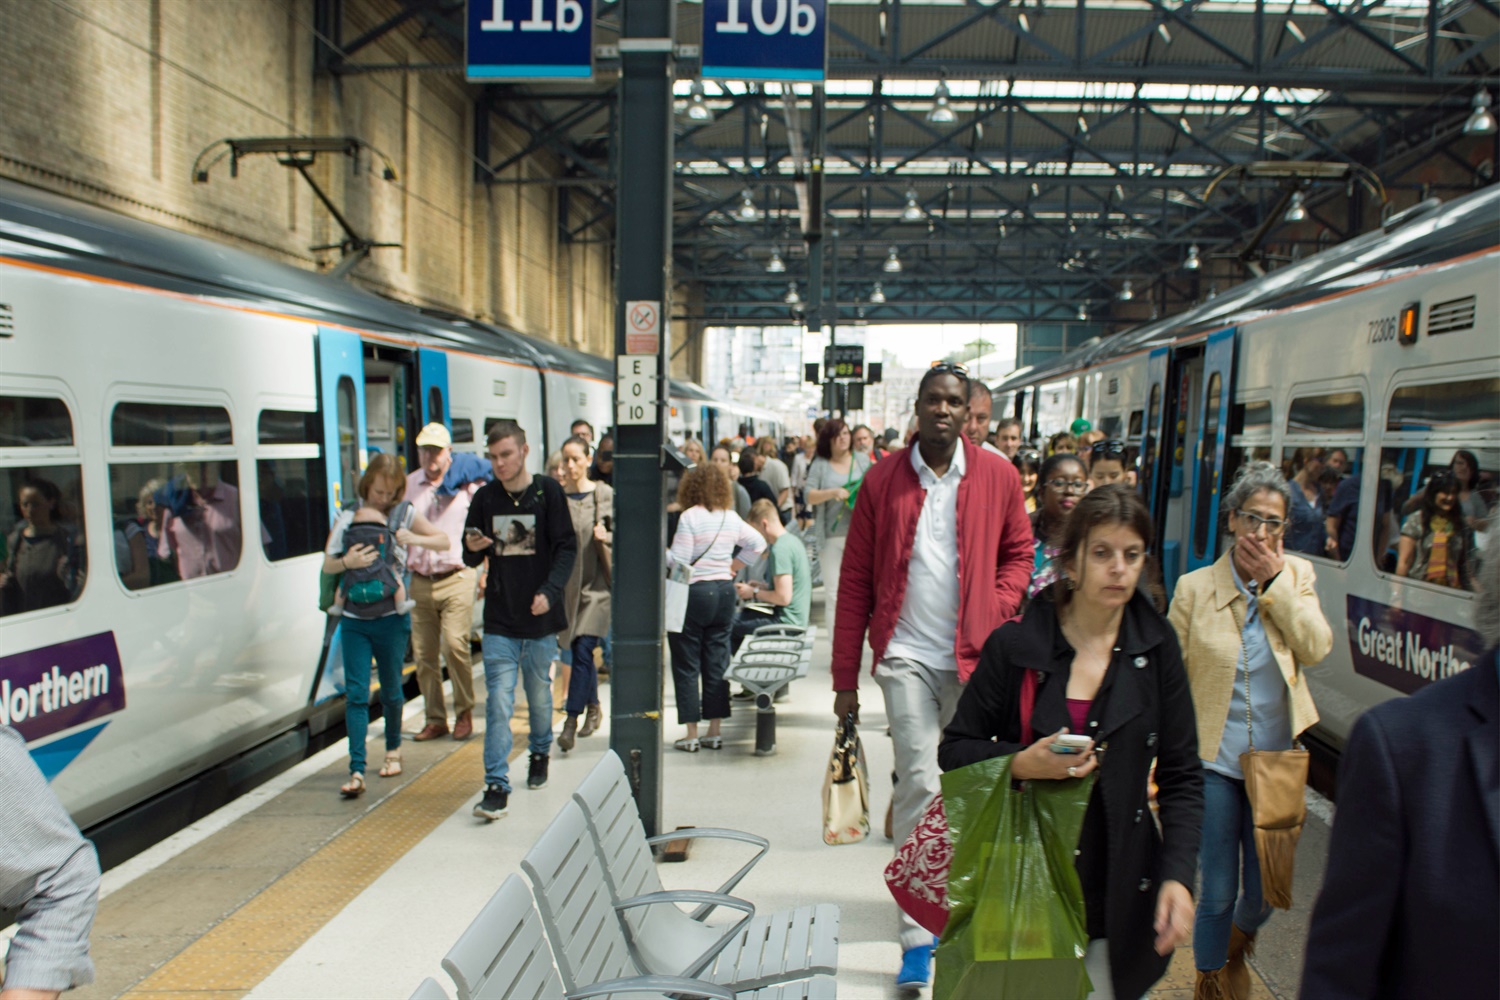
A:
{"points": [[757, 487], [520, 523]]}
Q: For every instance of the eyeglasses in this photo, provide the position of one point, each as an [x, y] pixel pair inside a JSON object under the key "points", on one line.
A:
{"points": [[1274, 526], [1068, 485], [1111, 448], [949, 366]]}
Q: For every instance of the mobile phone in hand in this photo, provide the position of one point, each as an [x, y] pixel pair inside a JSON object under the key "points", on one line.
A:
{"points": [[1069, 743]]}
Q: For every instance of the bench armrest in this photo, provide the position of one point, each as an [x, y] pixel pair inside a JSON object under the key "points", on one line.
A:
{"points": [[712, 899], [717, 833], [655, 984]]}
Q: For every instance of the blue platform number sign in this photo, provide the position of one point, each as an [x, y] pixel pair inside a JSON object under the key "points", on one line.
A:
{"points": [[765, 40], [530, 40]]}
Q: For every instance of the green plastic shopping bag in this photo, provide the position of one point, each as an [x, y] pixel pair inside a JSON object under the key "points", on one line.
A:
{"points": [[1015, 907]]}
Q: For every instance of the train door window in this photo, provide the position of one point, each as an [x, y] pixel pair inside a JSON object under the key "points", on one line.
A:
{"points": [[43, 549], [1249, 438], [346, 401], [1133, 426], [1149, 443], [1203, 515], [1325, 479], [291, 483], [434, 405], [173, 473], [463, 430]]}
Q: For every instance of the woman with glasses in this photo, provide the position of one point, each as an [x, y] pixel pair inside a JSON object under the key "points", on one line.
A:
{"points": [[1249, 625], [1061, 483], [1029, 464], [1106, 463]]}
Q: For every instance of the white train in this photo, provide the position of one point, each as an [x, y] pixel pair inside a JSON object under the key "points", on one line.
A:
{"points": [[134, 359], [1385, 348]]}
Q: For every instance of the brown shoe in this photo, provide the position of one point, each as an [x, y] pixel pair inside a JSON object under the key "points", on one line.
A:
{"points": [[1236, 972], [591, 719], [569, 731], [431, 731], [1211, 985], [463, 726]]}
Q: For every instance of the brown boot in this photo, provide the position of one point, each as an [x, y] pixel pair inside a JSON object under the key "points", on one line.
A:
{"points": [[1211, 985], [569, 730], [1236, 972], [591, 720], [463, 726]]}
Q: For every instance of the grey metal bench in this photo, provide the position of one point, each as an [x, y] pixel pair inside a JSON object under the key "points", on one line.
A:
{"points": [[770, 658]]}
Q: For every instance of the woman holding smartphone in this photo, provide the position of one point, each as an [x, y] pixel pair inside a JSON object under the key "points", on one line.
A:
{"points": [[1107, 669]]}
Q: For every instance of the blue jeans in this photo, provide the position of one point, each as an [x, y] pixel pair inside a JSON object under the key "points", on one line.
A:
{"points": [[504, 657], [384, 641], [583, 683], [1228, 840]]}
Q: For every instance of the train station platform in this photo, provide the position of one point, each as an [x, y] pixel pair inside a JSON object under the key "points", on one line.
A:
{"points": [[292, 891]]}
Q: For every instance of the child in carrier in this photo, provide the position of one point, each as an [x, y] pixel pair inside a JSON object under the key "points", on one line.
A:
{"points": [[378, 588]]}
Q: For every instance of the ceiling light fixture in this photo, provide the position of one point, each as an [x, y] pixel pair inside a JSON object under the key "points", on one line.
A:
{"points": [[791, 297], [1083, 125], [1481, 121], [747, 210], [1083, 313], [1193, 261], [1296, 211], [776, 265], [877, 295], [1182, 122], [697, 109], [1126, 292], [912, 212], [942, 111], [1024, 21], [1166, 36], [1294, 31], [892, 263]]}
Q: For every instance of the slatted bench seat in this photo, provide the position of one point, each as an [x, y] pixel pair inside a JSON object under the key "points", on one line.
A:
{"points": [[770, 658]]}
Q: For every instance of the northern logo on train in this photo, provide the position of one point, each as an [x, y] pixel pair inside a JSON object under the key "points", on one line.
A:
{"points": [[60, 697], [1405, 650]]}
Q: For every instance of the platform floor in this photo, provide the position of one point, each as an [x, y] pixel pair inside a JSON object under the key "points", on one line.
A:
{"points": [[292, 891]]}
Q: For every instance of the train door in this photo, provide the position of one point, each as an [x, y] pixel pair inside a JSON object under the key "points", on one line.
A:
{"points": [[1178, 434], [341, 391], [397, 401], [1210, 447]]}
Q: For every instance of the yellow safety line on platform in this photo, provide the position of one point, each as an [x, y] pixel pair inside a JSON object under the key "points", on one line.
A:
{"points": [[234, 956]]}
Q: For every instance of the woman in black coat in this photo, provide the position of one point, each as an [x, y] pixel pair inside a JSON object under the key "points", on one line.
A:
{"points": [[1109, 667]]}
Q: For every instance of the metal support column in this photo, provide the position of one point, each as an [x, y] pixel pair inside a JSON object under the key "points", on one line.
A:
{"points": [[643, 256]]}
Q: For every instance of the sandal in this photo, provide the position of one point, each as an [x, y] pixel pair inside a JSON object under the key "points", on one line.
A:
{"points": [[687, 743], [712, 742], [392, 765], [354, 787]]}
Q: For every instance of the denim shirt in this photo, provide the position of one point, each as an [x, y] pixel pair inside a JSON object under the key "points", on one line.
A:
{"points": [[1270, 713]]}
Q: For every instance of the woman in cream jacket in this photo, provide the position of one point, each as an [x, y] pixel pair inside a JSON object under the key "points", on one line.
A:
{"points": [[1253, 612]]}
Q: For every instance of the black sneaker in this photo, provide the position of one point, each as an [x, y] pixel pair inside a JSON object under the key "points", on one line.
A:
{"points": [[536, 776], [493, 805]]}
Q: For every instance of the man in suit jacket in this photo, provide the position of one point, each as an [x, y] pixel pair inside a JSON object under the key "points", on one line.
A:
{"points": [[1410, 905]]}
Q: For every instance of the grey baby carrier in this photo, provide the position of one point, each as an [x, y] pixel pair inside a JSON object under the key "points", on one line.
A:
{"points": [[372, 588]]}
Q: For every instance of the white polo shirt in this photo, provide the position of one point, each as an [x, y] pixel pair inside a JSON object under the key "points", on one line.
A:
{"points": [[927, 628]]}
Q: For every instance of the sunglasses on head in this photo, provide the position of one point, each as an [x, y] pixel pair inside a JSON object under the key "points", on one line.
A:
{"points": [[1108, 448], [1027, 456], [950, 366]]}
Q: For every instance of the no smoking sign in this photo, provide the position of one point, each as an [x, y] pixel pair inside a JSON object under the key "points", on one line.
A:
{"points": [[642, 327]]}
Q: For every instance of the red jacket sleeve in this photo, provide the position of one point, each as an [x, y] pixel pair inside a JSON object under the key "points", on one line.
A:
{"points": [[856, 596], [1013, 563]]}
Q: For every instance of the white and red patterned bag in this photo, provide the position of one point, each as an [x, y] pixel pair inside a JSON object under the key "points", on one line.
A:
{"points": [[918, 875]]}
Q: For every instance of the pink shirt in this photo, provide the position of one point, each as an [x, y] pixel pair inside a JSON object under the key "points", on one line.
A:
{"points": [[207, 540], [447, 514]]}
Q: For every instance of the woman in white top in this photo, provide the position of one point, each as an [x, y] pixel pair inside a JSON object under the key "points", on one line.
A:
{"points": [[832, 479], [707, 534]]}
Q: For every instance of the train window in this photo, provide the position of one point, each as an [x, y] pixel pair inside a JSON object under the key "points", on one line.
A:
{"points": [[1252, 418], [1149, 443], [34, 422], [1203, 517], [1325, 482], [1468, 407], [463, 430], [292, 485], [165, 425], [348, 439], [1432, 536], [435, 405], [1110, 425], [1331, 412], [185, 515], [43, 555], [1133, 428]]}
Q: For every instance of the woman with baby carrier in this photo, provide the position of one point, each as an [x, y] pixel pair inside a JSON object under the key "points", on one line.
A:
{"points": [[367, 551]]}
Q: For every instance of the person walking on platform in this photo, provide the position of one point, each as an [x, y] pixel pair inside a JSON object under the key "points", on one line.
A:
{"points": [[833, 479], [443, 587], [377, 631], [938, 555], [1410, 905], [592, 506], [521, 525], [707, 535], [1249, 626], [788, 587], [1108, 667]]}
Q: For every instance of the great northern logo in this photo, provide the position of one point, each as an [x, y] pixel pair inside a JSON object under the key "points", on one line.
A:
{"points": [[1405, 650], [47, 691]]}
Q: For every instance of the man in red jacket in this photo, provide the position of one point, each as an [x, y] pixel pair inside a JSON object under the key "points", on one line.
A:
{"points": [[938, 556]]}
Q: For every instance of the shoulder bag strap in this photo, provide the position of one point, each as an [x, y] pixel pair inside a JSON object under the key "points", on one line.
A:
{"points": [[724, 517]]}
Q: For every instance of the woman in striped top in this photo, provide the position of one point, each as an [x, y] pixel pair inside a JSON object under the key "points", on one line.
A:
{"points": [[707, 535]]}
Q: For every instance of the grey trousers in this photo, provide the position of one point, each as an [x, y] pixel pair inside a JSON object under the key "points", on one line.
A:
{"points": [[919, 702]]}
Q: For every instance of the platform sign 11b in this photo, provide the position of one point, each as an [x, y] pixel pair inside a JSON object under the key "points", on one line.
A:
{"points": [[529, 40], [765, 40]]}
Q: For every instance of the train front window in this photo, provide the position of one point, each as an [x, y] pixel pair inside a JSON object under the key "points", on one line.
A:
{"points": [[43, 551]]}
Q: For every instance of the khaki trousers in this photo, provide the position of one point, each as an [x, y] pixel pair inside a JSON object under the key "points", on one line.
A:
{"points": [[441, 622]]}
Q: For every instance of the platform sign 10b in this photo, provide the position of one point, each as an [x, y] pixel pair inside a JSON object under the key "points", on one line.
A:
{"points": [[845, 361], [765, 40], [529, 40]]}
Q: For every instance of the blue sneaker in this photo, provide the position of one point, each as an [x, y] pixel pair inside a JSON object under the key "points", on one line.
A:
{"points": [[916, 967]]}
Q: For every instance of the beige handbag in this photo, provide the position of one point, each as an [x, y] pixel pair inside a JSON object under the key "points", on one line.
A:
{"points": [[1275, 783], [846, 788]]}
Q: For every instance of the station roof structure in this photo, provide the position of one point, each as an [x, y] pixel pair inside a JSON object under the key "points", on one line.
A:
{"points": [[1077, 147]]}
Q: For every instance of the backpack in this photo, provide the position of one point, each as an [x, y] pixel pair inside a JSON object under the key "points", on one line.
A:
{"points": [[372, 587]]}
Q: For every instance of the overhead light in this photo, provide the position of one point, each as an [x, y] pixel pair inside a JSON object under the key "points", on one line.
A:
{"points": [[1296, 211], [1002, 230], [1294, 31], [747, 210], [1083, 125], [942, 110], [791, 297], [892, 263], [1126, 292], [912, 212], [1083, 313], [877, 295], [1213, 290], [1024, 21], [1182, 122], [1166, 36], [1481, 121], [1193, 262], [776, 265], [697, 109]]}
